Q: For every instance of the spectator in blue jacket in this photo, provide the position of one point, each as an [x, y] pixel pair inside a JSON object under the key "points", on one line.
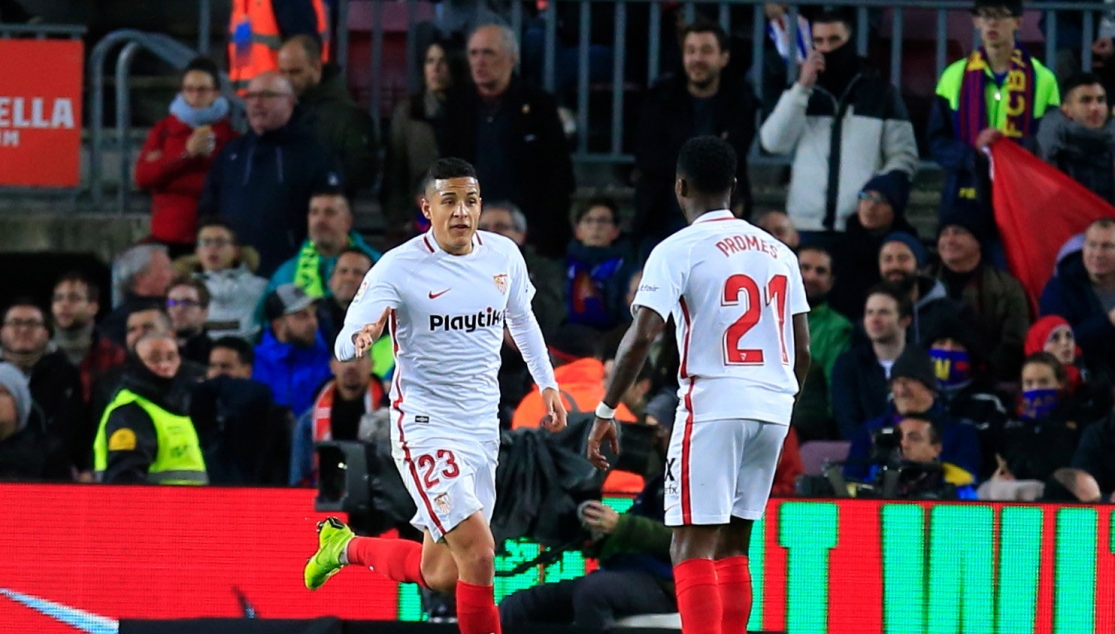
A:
{"points": [[261, 182], [1083, 292], [598, 267], [293, 358], [914, 391], [329, 229]]}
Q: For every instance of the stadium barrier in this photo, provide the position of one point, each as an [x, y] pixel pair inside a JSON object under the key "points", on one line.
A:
{"points": [[83, 558]]}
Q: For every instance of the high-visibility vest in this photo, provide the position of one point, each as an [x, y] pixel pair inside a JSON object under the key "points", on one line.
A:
{"points": [[178, 460], [254, 39]]}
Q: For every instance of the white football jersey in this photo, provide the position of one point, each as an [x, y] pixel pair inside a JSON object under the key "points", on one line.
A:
{"points": [[732, 290], [447, 319]]}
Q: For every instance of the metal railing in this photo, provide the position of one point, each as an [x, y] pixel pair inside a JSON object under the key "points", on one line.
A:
{"points": [[727, 14], [165, 48]]}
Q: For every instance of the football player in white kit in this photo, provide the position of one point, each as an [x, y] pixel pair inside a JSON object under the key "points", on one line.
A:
{"points": [[738, 300], [446, 296]]}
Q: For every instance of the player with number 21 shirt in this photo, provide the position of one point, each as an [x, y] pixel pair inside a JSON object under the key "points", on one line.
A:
{"points": [[738, 300], [446, 296]]}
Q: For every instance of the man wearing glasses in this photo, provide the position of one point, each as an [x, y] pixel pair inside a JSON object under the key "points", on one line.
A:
{"points": [[187, 304], [55, 383], [261, 182], [998, 91]]}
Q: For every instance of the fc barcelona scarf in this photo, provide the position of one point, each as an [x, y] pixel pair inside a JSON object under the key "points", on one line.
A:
{"points": [[1019, 88]]}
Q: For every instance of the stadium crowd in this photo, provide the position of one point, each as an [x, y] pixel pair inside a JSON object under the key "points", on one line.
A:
{"points": [[213, 361]]}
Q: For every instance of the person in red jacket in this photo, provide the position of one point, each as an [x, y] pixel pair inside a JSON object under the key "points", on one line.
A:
{"points": [[178, 152]]}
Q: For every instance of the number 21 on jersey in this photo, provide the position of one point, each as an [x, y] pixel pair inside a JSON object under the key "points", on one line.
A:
{"points": [[743, 289]]}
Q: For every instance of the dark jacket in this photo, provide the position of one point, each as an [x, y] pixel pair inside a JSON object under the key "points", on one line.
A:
{"points": [[56, 387], [1033, 450], [1088, 156], [31, 454], [172, 395], [933, 309], [977, 406], [344, 128], [1069, 294], [1002, 316], [1094, 452], [966, 169], [261, 185], [959, 443], [667, 121], [855, 263], [244, 436], [859, 389], [294, 373], [538, 152]]}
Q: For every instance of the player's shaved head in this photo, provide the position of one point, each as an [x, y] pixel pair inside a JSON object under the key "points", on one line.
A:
{"points": [[708, 165]]}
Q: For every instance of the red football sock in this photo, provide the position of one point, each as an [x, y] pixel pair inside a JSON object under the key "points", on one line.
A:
{"points": [[397, 559], [698, 596], [734, 578], [476, 609]]}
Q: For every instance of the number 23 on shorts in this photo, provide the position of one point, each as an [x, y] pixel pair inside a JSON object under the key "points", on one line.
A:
{"points": [[428, 465], [774, 293]]}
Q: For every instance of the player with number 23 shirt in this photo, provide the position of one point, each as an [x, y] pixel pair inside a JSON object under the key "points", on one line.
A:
{"points": [[446, 296]]}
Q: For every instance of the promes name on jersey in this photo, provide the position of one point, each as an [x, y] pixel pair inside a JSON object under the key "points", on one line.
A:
{"points": [[739, 244]]}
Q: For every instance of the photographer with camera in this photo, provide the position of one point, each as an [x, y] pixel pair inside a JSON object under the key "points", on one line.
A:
{"points": [[920, 445], [914, 393], [635, 575]]}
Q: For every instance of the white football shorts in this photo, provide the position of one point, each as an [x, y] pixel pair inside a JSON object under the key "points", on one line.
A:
{"points": [[448, 479], [718, 469]]}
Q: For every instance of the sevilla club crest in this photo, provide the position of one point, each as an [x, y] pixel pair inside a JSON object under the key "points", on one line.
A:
{"points": [[501, 282]]}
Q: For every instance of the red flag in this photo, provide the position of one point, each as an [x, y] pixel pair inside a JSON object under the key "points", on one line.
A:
{"points": [[1037, 208]]}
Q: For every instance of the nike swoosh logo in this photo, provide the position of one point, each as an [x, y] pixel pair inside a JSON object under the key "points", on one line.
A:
{"points": [[75, 618], [434, 295]]}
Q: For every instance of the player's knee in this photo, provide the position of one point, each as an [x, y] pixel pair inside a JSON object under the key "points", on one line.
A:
{"points": [[440, 578], [478, 557]]}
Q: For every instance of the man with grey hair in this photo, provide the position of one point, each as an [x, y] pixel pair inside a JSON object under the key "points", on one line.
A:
{"points": [[140, 275], [512, 133], [548, 276], [261, 182]]}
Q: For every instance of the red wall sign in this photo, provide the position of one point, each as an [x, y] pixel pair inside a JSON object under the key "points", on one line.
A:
{"points": [[40, 112]]}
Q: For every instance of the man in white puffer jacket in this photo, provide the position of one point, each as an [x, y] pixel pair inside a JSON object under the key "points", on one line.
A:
{"points": [[843, 124]]}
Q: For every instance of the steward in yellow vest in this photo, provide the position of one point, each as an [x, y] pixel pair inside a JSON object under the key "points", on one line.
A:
{"points": [[145, 434]]}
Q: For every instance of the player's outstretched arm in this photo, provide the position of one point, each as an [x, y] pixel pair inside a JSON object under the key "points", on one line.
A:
{"points": [[367, 315], [630, 357], [802, 355]]}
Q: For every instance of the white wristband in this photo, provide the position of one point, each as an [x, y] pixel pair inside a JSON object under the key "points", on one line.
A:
{"points": [[605, 412]]}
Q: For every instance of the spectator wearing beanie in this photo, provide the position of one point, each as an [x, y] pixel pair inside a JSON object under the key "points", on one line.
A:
{"points": [[900, 258], [26, 452], [1090, 385], [996, 297], [969, 398], [914, 392], [880, 211]]}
